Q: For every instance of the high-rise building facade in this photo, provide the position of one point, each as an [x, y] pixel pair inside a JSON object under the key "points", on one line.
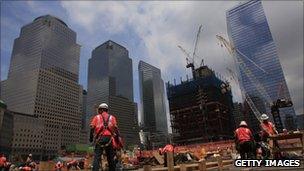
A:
{"points": [[6, 130], [201, 109], [43, 80], [249, 32], [110, 81], [84, 136], [28, 135], [238, 113], [153, 107]]}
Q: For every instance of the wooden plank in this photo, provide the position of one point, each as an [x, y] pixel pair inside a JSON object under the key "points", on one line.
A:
{"points": [[202, 165], [183, 167], [170, 161], [287, 136], [194, 166], [288, 149], [219, 163], [147, 168], [158, 157]]}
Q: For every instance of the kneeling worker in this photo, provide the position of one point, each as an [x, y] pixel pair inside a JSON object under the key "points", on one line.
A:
{"points": [[103, 128]]}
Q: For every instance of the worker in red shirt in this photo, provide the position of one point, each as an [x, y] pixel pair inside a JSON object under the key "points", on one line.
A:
{"points": [[2, 162], [268, 128], [103, 129], [244, 141], [168, 148]]}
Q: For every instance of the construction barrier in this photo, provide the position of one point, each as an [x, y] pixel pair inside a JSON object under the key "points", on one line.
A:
{"points": [[195, 149]]}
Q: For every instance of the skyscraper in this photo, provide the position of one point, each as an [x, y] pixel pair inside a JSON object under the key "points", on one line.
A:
{"points": [[110, 81], [43, 80], [249, 32], [152, 101], [237, 113]]}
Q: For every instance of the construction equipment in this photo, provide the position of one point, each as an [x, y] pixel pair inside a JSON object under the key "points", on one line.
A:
{"points": [[189, 58], [275, 111], [280, 103], [232, 50]]}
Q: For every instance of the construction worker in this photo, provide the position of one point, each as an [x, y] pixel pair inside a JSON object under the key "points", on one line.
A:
{"points": [[125, 158], [103, 128], [29, 159], [268, 128], [244, 141], [58, 166], [168, 148], [2, 162], [25, 168]]}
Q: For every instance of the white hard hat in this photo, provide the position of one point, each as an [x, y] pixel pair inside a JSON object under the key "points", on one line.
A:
{"points": [[243, 123], [264, 117], [103, 106]]}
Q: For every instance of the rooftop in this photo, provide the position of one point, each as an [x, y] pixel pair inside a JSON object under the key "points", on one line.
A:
{"points": [[48, 17]]}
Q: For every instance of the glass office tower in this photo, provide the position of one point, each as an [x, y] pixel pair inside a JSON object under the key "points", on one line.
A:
{"points": [[152, 94], [43, 81], [110, 80], [249, 32]]}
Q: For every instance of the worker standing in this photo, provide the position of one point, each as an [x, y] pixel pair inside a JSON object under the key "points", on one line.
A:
{"points": [[244, 141], [268, 128], [168, 148], [103, 128]]}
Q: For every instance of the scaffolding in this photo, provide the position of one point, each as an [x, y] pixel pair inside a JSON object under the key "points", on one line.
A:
{"points": [[200, 110]]}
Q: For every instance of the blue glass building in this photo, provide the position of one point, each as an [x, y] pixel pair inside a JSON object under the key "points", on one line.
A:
{"points": [[249, 32]]}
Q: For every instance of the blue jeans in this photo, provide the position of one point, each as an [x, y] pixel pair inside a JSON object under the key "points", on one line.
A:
{"points": [[97, 157]]}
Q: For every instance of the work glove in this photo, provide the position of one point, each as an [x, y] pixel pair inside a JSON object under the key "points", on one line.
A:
{"points": [[91, 135]]}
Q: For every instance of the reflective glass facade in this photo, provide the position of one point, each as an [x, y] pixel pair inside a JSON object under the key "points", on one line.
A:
{"points": [[152, 100], [249, 32], [110, 81]]}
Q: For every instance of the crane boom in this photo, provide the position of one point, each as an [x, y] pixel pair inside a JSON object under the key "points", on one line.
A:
{"points": [[231, 49], [196, 42], [246, 97], [184, 51]]}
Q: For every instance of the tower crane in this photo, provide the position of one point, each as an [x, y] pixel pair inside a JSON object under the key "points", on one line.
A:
{"points": [[190, 58]]}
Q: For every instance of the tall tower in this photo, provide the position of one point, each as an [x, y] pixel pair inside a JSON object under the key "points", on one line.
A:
{"points": [[153, 107], [43, 80], [249, 32], [110, 81]]}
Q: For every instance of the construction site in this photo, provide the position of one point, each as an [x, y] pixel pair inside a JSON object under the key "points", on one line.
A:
{"points": [[200, 108]]}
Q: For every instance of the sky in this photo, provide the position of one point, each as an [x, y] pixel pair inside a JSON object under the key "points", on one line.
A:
{"points": [[152, 30]]}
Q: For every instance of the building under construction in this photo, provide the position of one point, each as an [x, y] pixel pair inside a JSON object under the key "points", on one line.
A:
{"points": [[200, 108]]}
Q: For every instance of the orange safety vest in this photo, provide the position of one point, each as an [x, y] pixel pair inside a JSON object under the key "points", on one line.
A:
{"points": [[268, 128], [243, 134], [2, 161], [98, 125]]}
